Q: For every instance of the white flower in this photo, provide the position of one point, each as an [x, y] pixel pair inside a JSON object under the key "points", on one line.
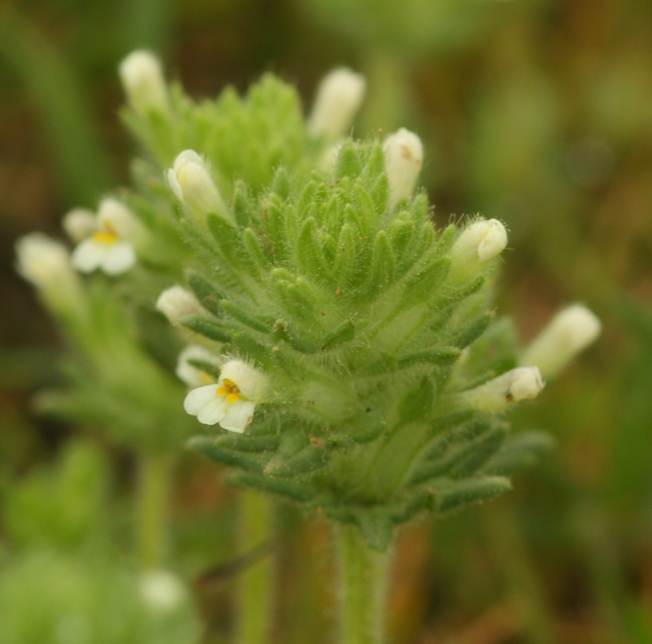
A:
{"points": [[522, 383], [232, 400], [162, 590], [79, 223], [109, 247], [41, 260], [143, 82], [479, 242], [191, 375], [403, 159], [193, 185], [339, 97], [569, 332], [177, 303], [46, 264]]}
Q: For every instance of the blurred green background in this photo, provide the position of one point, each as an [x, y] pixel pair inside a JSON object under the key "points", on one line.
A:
{"points": [[538, 112]]}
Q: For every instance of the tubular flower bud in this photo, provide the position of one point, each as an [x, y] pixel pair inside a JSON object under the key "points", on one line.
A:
{"points": [[143, 82], [403, 160], [339, 96], [162, 590], [569, 332], [479, 242], [79, 223], [46, 264], [177, 303], [193, 185], [191, 375], [232, 400], [522, 383], [109, 246], [41, 260]]}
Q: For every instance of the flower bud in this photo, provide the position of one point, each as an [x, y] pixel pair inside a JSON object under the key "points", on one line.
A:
{"points": [[479, 242], [403, 159], [339, 97], [193, 185], [191, 375], [79, 224], [569, 332], [46, 264], [522, 383], [177, 303], [143, 82]]}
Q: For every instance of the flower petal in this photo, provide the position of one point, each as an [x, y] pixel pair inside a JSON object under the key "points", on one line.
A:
{"points": [[88, 256], [198, 398], [213, 412], [238, 416], [119, 258]]}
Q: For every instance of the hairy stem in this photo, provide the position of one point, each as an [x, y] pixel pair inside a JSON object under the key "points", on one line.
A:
{"points": [[152, 507], [255, 597], [363, 573]]}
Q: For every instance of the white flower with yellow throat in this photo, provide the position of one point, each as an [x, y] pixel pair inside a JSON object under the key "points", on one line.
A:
{"points": [[108, 248], [231, 401]]}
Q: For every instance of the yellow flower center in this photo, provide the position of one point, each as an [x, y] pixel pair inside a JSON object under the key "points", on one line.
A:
{"points": [[105, 236], [229, 390]]}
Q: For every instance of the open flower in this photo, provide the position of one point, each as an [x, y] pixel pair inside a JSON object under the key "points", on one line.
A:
{"points": [[107, 247], [232, 400]]}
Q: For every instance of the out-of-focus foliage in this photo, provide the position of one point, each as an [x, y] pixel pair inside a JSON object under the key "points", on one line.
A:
{"points": [[63, 506], [416, 27], [48, 597]]}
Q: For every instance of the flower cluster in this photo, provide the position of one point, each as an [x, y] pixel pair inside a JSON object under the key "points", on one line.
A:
{"points": [[337, 333]]}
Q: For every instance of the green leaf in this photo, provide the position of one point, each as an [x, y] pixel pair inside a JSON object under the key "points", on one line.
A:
{"points": [[454, 495], [208, 296], [418, 402], [345, 332], [306, 461], [208, 328], [295, 490], [210, 448]]}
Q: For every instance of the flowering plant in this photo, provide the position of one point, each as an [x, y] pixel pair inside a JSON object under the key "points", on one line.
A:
{"points": [[343, 349]]}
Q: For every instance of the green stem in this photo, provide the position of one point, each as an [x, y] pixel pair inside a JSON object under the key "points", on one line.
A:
{"points": [[152, 502], [255, 596], [363, 574]]}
